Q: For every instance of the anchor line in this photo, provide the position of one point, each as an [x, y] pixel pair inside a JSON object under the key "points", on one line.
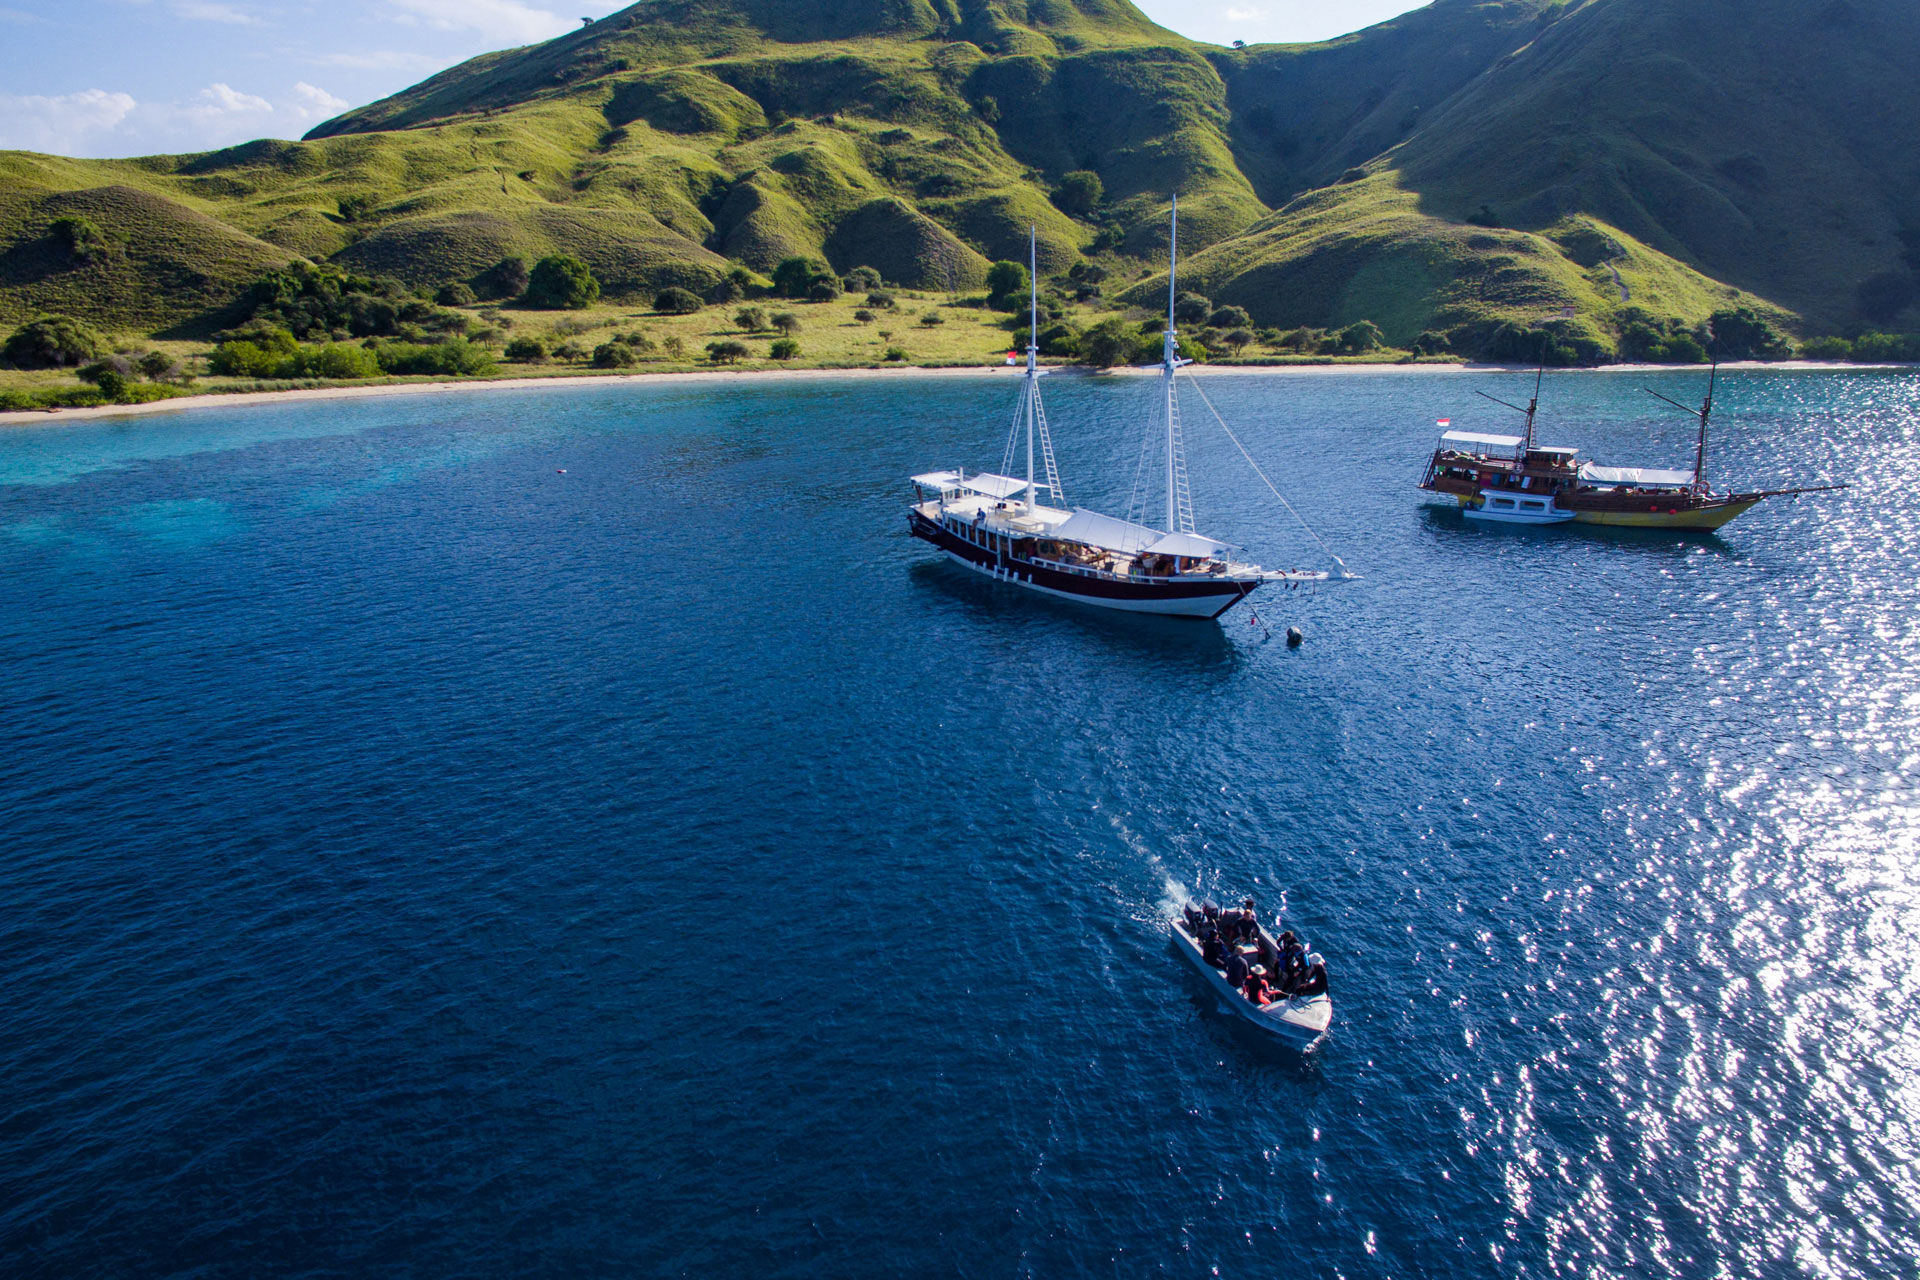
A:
{"points": [[1271, 488]]}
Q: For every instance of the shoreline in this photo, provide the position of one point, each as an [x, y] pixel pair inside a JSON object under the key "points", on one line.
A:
{"points": [[249, 399]]}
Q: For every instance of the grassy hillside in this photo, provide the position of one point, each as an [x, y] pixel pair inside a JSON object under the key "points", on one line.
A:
{"points": [[1666, 157]]}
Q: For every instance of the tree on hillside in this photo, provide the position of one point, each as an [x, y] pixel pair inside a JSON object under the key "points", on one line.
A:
{"points": [[1192, 308], [727, 351], [1741, 333], [52, 342], [675, 301], [561, 283], [786, 322], [506, 278], [795, 276], [1079, 193], [750, 319], [1361, 337], [1109, 343], [1007, 286]]}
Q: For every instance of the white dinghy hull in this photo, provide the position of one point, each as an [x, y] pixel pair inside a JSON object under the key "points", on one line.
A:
{"points": [[1296, 1024]]}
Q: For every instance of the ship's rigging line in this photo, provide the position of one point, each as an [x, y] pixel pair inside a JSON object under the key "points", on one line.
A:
{"points": [[1192, 382]]}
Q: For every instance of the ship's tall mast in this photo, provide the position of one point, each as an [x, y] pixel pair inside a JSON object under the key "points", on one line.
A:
{"points": [[1033, 349], [1706, 411], [1170, 356]]}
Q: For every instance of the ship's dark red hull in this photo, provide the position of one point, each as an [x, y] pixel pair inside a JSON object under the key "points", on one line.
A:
{"points": [[1170, 597]]}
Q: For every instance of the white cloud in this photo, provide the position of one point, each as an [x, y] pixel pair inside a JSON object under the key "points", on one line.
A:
{"points": [[207, 11], [311, 102], [98, 123], [64, 125], [496, 19]]}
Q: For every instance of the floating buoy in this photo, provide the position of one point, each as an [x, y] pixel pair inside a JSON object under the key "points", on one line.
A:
{"points": [[1295, 637], [559, 471]]}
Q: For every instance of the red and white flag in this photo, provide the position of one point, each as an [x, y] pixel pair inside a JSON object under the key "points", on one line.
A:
{"points": [[1445, 422], [1013, 357]]}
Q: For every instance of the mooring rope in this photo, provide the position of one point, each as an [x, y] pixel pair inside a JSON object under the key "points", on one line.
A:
{"points": [[1271, 487]]}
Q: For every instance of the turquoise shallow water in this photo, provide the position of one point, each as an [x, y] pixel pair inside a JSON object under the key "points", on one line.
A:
{"points": [[418, 860]]}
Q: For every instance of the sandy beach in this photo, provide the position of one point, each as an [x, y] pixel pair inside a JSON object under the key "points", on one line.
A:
{"points": [[246, 399]]}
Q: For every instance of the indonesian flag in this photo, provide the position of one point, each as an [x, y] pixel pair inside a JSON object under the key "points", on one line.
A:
{"points": [[1444, 422], [1013, 357]]}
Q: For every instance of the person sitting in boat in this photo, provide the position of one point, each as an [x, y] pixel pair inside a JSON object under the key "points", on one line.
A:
{"points": [[1258, 993], [1293, 963], [1236, 969], [1211, 949], [1316, 980]]}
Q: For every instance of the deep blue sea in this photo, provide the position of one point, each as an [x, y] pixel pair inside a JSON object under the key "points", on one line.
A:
{"points": [[578, 831]]}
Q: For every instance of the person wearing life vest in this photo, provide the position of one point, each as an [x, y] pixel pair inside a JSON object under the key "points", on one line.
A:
{"points": [[1316, 980], [1257, 990]]}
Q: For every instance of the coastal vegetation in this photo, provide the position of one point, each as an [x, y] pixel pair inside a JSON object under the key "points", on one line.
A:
{"points": [[1468, 181]]}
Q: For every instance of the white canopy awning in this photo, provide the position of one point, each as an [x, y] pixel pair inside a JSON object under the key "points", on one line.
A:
{"points": [[993, 486], [938, 479], [1638, 477], [1557, 450], [1105, 531], [1188, 544], [1488, 442]]}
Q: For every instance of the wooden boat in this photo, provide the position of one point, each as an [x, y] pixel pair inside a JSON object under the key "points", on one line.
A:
{"points": [[1296, 1024], [994, 523], [1513, 480]]}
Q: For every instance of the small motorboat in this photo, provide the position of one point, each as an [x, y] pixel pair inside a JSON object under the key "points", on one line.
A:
{"points": [[1517, 508], [1293, 1022]]}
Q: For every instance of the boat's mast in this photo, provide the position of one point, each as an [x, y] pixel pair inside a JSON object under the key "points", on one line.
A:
{"points": [[1533, 405], [1033, 347], [1170, 353], [1706, 411]]}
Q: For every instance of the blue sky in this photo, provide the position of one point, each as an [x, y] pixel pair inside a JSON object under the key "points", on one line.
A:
{"points": [[140, 77]]}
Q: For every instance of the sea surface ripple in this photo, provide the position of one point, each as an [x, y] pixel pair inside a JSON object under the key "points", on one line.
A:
{"points": [[547, 832]]}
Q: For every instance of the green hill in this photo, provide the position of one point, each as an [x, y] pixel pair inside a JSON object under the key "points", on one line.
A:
{"points": [[1468, 166]]}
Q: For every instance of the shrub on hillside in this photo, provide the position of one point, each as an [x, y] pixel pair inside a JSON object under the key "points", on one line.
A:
{"points": [[896, 355], [257, 353], [333, 360], [750, 319], [881, 300], [614, 355], [561, 282], [784, 349], [727, 290], [1237, 340], [675, 301], [456, 294], [458, 358], [1079, 193], [51, 342], [1060, 340], [823, 290], [526, 351], [1230, 318], [864, 316], [1828, 348], [570, 352], [727, 351], [932, 319], [862, 280], [85, 241], [1007, 286]]}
